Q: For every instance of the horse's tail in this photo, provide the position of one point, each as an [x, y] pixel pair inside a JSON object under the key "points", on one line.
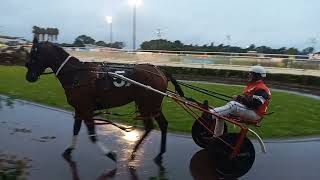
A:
{"points": [[177, 87]]}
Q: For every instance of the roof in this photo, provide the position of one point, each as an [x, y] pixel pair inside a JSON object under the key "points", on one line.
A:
{"points": [[6, 40]]}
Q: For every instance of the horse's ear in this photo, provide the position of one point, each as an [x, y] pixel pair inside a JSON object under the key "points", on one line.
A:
{"points": [[35, 40]]}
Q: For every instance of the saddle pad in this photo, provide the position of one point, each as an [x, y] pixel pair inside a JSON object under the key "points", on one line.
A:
{"points": [[126, 70], [107, 82]]}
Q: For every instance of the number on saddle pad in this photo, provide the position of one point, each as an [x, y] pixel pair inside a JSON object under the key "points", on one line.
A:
{"points": [[117, 82], [126, 70]]}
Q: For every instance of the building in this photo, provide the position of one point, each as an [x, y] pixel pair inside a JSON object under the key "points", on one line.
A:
{"points": [[12, 41], [314, 55]]}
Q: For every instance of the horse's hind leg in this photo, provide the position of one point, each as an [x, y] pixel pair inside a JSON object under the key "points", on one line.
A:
{"points": [[163, 124], [76, 128], [94, 138], [148, 126]]}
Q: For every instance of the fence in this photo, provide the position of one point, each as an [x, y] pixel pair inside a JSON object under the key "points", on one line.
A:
{"points": [[203, 58]]}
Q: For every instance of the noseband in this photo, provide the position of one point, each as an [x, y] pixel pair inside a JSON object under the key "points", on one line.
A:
{"points": [[59, 69]]}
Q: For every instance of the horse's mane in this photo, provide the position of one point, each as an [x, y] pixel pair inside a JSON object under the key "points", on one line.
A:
{"points": [[56, 46]]}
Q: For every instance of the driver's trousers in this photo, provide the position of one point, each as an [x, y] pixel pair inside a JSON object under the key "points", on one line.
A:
{"points": [[234, 108]]}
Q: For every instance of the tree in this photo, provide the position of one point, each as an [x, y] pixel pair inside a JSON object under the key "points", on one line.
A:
{"points": [[178, 43], [78, 43], [83, 39], [292, 51], [308, 50], [282, 50], [49, 33], [42, 34], [36, 31], [101, 43], [117, 45], [163, 44], [56, 33], [252, 47]]}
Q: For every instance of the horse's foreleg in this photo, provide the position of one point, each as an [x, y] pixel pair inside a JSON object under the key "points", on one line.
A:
{"points": [[94, 139], [163, 124], [76, 128], [148, 126]]}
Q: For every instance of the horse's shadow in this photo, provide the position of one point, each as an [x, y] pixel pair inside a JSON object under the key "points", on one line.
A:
{"points": [[133, 175]]}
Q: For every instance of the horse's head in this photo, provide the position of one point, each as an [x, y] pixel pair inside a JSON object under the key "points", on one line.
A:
{"points": [[36, 63], [42, 56]]}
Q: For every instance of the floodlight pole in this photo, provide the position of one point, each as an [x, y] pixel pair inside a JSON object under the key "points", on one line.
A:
{"points": [[109, 21], [134, 27], [111, 33]]}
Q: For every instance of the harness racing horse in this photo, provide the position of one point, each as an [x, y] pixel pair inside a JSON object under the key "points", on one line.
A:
{"points": [[82, 91]]}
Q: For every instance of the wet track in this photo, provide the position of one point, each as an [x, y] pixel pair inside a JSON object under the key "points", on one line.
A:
{"points": [[42, 134]]}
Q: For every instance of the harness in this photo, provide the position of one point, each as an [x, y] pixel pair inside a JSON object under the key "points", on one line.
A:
{"points": [[252, 88], [61, 66], [105, 81]]}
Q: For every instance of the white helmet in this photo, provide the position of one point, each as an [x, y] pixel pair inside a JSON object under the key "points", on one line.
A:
{"points": [[259, 70]]}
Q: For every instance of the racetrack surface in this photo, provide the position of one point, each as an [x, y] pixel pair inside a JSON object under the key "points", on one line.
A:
{"points": [[41, 134]]}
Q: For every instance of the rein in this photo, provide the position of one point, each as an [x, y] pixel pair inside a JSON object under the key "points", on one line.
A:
{"points": [[207, 92]]}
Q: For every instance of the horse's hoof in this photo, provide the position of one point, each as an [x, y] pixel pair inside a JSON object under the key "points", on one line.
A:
{"points": [[132, 156], [67, 154], [158, 159], [112, 156], [68, 151]]}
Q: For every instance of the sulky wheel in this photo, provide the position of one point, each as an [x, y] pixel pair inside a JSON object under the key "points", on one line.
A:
{"points": [[200, 135], [237, 166]]}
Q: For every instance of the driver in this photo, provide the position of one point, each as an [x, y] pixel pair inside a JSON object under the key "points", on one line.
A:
{"points": [[252, 105]]}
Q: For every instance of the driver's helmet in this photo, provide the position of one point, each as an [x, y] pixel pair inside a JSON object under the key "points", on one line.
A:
{"points": [[258, 70]]}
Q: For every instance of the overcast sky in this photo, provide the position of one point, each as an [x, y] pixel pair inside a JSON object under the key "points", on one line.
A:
{"points": [[274, 23]]}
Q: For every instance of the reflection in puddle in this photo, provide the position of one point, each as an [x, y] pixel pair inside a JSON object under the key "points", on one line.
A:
{"points": [[75, 174], [202, 167], [162, 173], [13, 168], [133, 173], [125, 141], [44, 139], [6, 101], [22, 130], [131, 136]]}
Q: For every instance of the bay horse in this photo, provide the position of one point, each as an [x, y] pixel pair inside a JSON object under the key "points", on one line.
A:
{"points": [[82, 92]]}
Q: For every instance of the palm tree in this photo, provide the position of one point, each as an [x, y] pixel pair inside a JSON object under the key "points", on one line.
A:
{"points": [[50, 33], [36, 31], [56, 33], [42, 34]]}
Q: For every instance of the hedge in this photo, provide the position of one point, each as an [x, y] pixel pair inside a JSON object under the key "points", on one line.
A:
{"points": [[304, 80]]}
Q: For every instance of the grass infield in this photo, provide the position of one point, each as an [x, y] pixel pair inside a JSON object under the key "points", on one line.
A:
{"points": [[294, 115]]}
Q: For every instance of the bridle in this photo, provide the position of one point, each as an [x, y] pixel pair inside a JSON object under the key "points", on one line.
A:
{"points": [[59, 69]]}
